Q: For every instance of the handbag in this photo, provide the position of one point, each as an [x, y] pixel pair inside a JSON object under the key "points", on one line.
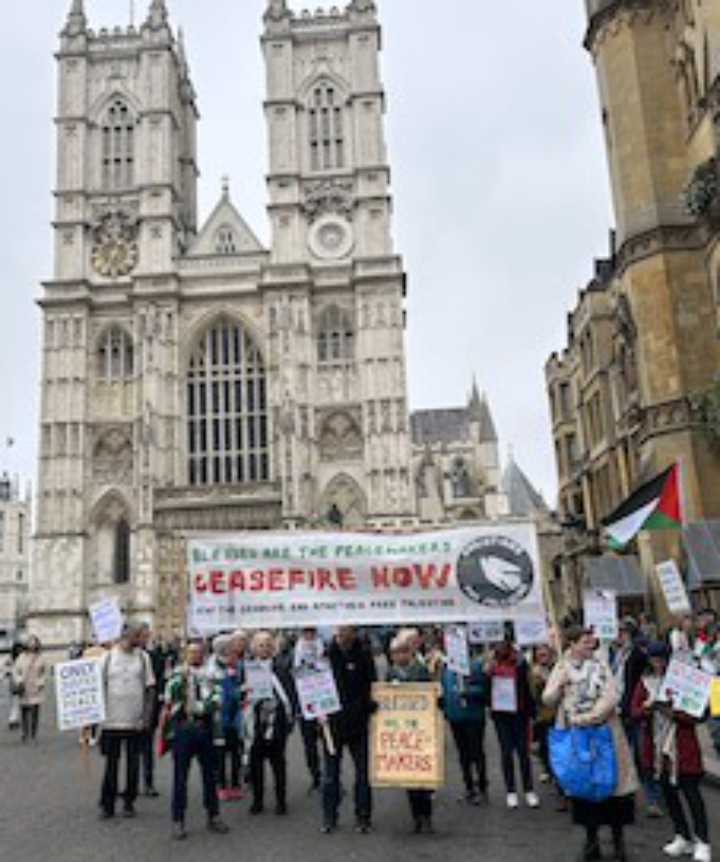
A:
{"points": [[584, 762]]}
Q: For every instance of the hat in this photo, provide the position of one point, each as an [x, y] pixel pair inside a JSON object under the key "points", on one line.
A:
{"points": [[658, 649], [628, 624]]}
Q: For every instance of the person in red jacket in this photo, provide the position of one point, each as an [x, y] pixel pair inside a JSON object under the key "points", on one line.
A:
{"points": [[670, 750]]}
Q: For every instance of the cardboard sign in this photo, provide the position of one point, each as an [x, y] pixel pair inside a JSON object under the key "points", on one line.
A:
{"points": [[504, 694], [687, 688], [532, 633], [294, 580], [486, 633], [407, 737], [318, 694], [601, 613], [673, 587], [80, 694], [259, 680], [456, 650], [715, 698], [107, 620]]}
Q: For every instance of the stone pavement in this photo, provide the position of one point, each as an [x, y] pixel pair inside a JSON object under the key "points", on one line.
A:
{"points": [[48, 813]]}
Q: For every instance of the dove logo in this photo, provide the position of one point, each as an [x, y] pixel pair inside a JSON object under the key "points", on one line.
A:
{"points": [[496, 572]]}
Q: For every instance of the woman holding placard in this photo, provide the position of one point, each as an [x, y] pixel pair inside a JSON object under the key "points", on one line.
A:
{"points": [[584, 690], [671, 752], [513, 709], [407, 667]]}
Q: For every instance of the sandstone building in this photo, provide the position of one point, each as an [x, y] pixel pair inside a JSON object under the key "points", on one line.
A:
{"points": [[194, 380], [638, 385], [15, 528]]}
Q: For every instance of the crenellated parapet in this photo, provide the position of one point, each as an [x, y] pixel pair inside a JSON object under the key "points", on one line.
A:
{"points": [[608, 17]]}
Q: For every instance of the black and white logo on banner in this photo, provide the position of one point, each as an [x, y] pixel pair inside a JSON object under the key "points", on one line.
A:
{"points": [[495, 572]]}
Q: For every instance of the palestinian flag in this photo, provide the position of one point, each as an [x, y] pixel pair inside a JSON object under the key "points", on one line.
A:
{"points": [[654, 506]]}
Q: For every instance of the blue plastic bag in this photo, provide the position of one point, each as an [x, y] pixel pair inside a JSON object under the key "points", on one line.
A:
{"points": [[584, 762]]}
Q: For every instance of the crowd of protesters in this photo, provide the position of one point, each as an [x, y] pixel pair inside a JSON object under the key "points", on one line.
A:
{"points": [[196, 704]]}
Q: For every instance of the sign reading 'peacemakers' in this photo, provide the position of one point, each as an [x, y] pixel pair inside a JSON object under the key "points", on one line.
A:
{"points": [[291, 580]]}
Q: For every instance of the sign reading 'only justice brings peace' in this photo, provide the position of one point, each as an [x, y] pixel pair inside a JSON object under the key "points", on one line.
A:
{"points": [[290, 580]]}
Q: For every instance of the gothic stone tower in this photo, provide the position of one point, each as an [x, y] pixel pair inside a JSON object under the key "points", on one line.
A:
{"points": [[335, 287], [192, 380], [656, 62]]}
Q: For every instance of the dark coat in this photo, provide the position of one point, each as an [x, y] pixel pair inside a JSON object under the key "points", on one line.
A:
{"points": [[689, 755], [355, 674]]}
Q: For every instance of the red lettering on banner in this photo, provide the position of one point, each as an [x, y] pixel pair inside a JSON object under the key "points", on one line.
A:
{"points": [[297, 578], [381, 578], [275, 580], [217, 583], [237, 581], [323, 580], [257, 581], [346, 579], [200, 584]]}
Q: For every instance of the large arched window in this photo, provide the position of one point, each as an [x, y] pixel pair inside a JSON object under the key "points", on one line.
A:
{"points": [[336, 335], [118, 147], [326, 132], [116, 357], [227, 409]]}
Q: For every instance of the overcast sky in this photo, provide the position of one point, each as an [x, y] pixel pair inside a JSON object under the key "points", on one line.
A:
{"points": [[499, 174]]}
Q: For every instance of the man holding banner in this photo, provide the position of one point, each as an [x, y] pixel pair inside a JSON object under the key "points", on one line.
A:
{"points": [[354, 669]]}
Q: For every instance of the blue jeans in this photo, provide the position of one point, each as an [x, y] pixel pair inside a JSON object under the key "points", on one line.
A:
{"points": [[359, 748], [193, 740]]}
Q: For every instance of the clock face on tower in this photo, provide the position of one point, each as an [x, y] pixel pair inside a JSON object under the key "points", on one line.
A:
{"points": [[114, 257], [115, 250], [331, 238]]}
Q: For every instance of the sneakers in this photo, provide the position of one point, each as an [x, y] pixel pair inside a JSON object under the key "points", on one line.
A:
{"points": [[703, 852], [216, 825], [512, 800], [179, 833], [363, 825], [678, 847], [532, 800]]}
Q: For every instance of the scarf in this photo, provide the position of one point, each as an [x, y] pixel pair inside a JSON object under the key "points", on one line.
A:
{"points": [[588, 682]]}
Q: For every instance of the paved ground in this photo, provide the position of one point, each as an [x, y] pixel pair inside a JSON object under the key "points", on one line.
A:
{"points": [[48, 796]]}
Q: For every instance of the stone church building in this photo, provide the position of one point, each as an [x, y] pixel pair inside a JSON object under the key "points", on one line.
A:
{"points": [[194, 380]]}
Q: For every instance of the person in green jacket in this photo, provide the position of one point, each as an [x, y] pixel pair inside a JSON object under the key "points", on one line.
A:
{"points": [[193, 701]]}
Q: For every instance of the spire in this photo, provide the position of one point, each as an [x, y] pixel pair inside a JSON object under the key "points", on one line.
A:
{"points": [[226, 187], [277, 12], [524, 500], [77, 20], [158, 15], [478, 412], [474, 403], [182, 55]]}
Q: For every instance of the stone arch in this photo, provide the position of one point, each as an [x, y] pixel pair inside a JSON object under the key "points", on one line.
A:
{"points": [[344, 497], [112, 539]]}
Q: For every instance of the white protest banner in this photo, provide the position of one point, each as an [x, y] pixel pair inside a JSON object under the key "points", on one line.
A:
{"points": [[687, 688], [486, 633], [456, 650], [259, 680], [318, 694], [297, 580], [531, 632], [673, 587], [79, 694], [107, 620], [503, 694], [601, 613]]}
